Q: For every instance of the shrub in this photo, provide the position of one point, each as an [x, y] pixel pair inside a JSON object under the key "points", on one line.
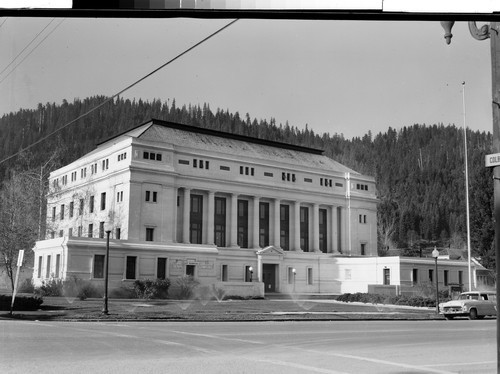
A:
{"points": [[149, 289], [76, 287], [122, 293], [52, 287], [186, 285], [415, 300], [21, 302]]}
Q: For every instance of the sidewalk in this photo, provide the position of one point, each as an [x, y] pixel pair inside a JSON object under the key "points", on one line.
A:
{"points": [[273, 309]]}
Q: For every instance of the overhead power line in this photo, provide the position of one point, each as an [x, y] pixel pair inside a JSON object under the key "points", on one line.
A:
{"points": [[120, 92]]}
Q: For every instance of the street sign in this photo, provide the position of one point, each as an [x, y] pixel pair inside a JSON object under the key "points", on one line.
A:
{"points": [[492, 160], [20, 257]]}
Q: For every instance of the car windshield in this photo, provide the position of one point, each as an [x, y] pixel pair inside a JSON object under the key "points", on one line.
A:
{"points": [[468, 296]]}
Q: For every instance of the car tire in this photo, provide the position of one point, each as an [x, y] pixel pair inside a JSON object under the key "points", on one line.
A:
{"points": [[473, 313], [448, 317]]}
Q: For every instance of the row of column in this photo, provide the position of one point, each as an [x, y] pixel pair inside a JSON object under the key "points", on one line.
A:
{"points": [[253, 227]]}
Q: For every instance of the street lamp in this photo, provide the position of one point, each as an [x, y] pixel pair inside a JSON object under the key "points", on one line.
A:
{"points": [[294, 271], [106, 271], [435, 254], [250, 269]]}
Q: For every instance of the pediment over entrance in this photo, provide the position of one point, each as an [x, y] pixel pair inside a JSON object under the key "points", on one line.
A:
{"points": [[271, 250]]}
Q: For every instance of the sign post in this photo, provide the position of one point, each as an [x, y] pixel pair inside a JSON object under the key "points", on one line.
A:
{"points": [[19, 264]]}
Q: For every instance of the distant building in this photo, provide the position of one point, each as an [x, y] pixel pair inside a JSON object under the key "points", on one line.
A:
{"points": [[246, 215]]}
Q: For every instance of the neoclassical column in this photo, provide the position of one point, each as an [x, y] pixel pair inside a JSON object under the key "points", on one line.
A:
{"points": [[186, 215], [296, 231], [255, 232], [210, 217], [315, 228], [333, 229], [277, 227], [234, 220]]}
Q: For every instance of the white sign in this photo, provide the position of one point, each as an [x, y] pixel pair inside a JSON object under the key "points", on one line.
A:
{"points": [[492, 160], [20, 257]]}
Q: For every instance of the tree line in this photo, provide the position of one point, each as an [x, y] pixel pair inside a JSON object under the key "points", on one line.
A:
{"points": [[418, 169]]}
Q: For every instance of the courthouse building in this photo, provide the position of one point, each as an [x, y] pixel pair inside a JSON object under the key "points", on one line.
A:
{"points": [[244, 214]]}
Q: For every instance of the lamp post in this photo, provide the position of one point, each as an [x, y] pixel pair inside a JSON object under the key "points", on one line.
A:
{"points": [[294, 271], [491, 31], [435, 254], [106, 271], [250, 269]]}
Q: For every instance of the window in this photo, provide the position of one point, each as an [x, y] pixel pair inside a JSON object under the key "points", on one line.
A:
{"points": [[40, 260], [183, 162], [83, 173], [130, 267], [248, 274], [91, 204], [309, 276], [62, 211], [103, 201], [52, 234], [190, 270], [161, 268], [460, 277], [267, 174], [101, 230], [387, 277], [243, 223], [58, 264], [105, 164], [99, 266], [155, 196], [148, 195], [431, 275], [70, 232], [224, 273], [414, 276], [158, 157], [119, 196], [308, 180], [285, 227], [291, 275], [304, 228], [152, 196], [149, 234], [225, 168], [53, 214], [446, 277], [323, 230], [80, 211], [80, 230], [71, 208], [363, 249], [263, 224], [91, 229], [196, 219], [118, 233], [220, 222], [47, 269], [362, 218]]}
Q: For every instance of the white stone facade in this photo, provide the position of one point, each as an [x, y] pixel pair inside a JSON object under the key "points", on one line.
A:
{"points": [[182, 200]]}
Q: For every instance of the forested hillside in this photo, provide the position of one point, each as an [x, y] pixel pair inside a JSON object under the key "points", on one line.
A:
{"points": [[419, 170]]}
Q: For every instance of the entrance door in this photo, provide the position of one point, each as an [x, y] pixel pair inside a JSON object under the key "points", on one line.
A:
{"points": [[269, 277]]}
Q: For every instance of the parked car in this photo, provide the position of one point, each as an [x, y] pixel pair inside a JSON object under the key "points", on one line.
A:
{"points": [[474, 304]]}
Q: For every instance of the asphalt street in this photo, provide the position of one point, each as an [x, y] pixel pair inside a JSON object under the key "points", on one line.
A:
{"points": [[334, 347]]}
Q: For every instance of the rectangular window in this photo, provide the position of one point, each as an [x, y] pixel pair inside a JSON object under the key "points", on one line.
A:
{"points": [[291, 275], [196, 219], [58, 264], [70, 232], [190, 270], [82, 204], [118, 233], [40, 260], [130, 267], [91, 229], [224, 273], [446, 277], [161, 268], [267, 174], [248, 274], [80, 230], [460, 277], [225, 168], [220, 222], [148, 195], [243, 223], [195, 163], [183, 162], [91, 204], [263, 224], [285, 227], [101, 230], [99, 262], [323, 230], [47, 269], [304, 228], [387, 277], [155, 196], [62, 211], [414, 276], [308, 180], [71, 208], [431, 275], [158, 157], [363, 249], [149, 234], [309, 276], [53, 214], [103, 200]]}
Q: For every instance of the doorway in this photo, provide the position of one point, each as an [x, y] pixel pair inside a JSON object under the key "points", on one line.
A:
{"points": [[269, 277]]}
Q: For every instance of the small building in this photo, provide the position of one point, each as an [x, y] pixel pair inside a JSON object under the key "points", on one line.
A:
{"points": [[230, 210]]}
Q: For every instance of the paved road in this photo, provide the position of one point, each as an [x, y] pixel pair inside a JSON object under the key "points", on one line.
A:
{"points": [[359, 347]]}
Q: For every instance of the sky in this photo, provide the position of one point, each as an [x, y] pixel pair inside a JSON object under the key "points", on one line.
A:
{"points": [[338, 77]]}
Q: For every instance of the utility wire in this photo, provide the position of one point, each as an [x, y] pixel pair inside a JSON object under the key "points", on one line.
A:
{"points": [[25, 57], [119, 93], [32, 40]]}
